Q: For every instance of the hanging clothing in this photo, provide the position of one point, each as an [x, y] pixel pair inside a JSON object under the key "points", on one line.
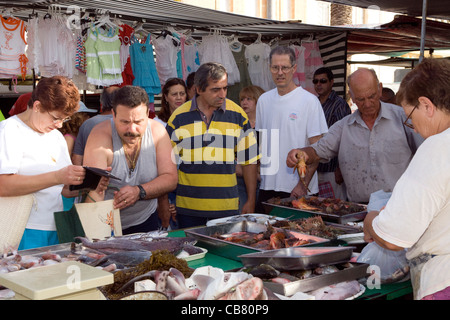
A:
{"points": [[299, 74], [144, 68], [245, 80], [125, 36], [12, 47], [313, 61], [55, 53], [33, 50], [257, 55], [166, 57], [191, 58], [215, 48], [103, 58], [80, 54]]}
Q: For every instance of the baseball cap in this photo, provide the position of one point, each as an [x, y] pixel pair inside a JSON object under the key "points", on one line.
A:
{"points": [[83, 108]]}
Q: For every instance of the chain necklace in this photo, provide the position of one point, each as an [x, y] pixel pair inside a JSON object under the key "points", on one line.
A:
{"points": [[132, 162]]}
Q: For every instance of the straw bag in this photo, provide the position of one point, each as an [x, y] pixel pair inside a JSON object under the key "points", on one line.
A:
{"points": [[14, 213]]}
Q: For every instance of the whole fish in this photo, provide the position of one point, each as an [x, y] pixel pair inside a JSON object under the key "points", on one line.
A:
{"points": [[113, 245], [123, 259]]}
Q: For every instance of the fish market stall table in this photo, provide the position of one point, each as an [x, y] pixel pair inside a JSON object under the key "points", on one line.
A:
{"points": [[387, 291]]}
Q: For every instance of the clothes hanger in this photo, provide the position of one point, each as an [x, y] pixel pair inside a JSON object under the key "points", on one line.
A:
{"points": [[235, 44], [106, 21], [310, 39], [258, 40]]}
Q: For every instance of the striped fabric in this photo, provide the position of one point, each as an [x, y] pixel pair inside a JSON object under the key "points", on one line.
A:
{"points": [[207, 184], [333, 49]]}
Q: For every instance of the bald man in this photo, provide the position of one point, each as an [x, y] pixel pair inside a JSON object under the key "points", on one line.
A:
{"points": [[373, 146]]}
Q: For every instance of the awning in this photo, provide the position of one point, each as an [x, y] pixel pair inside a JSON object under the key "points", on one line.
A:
{"points": [[439, 9], [159, 14], [401, 34]]}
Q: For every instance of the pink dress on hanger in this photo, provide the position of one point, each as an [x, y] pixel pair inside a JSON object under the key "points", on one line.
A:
{"points": [[313, 61]]}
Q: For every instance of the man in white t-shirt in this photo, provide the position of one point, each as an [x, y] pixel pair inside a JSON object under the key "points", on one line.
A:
{"points": [[286, 117]]}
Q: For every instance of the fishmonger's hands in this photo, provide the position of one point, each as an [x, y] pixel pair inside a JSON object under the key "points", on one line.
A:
{"points": [[293, 157], [125, 197], [70, 175]]}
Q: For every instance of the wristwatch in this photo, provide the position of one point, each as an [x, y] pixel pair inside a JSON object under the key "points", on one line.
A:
{"points": [[142, 193]]}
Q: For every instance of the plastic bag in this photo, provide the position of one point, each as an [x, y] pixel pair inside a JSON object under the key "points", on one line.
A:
{"points": [[378, 200], [392, 265]]}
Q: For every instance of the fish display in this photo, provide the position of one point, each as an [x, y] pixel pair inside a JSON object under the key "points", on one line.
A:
{"points": [[117, 244], [317, 204], [272, 238], [314, 226]]}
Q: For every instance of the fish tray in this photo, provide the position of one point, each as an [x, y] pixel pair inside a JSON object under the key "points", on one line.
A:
{"points": [[298, 258], [355, 272], [206, 238], [300, 213]]}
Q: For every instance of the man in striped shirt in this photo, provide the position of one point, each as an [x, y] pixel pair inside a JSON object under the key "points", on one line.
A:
{"points": [[334, 108], [208, 133]]}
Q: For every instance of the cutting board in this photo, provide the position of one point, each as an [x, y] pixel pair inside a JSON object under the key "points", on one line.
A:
{"points": [[66, 280]]}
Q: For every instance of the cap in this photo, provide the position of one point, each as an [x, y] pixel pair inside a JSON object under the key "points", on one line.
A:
{"points": [[83, 108]]}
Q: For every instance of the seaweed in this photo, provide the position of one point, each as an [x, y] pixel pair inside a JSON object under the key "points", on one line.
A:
{"points": [[161, 260]]}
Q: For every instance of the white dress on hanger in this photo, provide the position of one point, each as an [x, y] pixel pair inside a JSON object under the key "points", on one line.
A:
{"points": [[215, 48], [166, 57], [257, 55]]}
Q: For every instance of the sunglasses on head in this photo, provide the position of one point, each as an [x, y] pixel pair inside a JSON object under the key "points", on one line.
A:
{"points": [[323, 80]]}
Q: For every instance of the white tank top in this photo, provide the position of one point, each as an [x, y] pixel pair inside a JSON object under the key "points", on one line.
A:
{"points": [[144, 171], [12, 46]]}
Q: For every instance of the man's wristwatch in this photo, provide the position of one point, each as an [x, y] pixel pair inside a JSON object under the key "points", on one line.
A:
{"points": [[142, 193]]}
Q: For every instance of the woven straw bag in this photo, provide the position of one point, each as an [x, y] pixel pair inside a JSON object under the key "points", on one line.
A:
{"points": [[14, 213]]}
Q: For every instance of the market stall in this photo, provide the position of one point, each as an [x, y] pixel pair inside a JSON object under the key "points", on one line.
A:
{"points": [[324, 255]]}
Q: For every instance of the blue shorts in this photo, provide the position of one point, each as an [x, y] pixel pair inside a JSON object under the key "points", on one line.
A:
{"points": [[38, 238]]}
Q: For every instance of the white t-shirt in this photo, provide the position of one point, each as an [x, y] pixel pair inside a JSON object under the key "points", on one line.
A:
{"points": [[26, 152], [417, 216], [290, 120]]}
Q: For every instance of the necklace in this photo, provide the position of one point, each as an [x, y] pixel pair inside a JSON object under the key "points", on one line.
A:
{"points": [[132, 162]]}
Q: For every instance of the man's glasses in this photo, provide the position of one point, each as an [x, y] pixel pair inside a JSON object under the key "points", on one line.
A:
{"points": [[323, 80], [58, 120], [284, 69], [406, 123]]}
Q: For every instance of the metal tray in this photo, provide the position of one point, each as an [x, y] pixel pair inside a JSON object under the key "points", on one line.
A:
{"points": [[341, 219], [357, 271], [298, 258], [344, 230], [230, 250]]}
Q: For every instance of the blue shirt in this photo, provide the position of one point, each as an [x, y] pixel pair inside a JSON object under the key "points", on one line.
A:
{"points": [[335, 108]]}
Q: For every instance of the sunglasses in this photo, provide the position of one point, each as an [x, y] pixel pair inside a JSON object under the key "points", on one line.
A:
{"points": [[323, 80]]}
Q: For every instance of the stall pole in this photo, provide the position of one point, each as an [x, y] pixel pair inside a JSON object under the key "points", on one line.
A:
{"points": [[423, 31]]}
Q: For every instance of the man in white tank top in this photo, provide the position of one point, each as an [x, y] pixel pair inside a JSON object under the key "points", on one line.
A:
{"points": [[138, 151]]}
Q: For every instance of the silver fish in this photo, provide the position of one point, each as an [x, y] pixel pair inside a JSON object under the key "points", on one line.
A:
{"points": [[112, 245]]}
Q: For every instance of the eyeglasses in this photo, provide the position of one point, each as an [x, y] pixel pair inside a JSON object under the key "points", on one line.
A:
{"points": [[58, 120], [284, 69], [323, 80], [405, 123]]}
